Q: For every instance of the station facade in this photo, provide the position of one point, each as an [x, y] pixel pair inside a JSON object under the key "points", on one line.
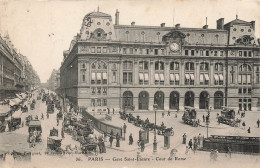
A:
{"points": [[134, 67]]}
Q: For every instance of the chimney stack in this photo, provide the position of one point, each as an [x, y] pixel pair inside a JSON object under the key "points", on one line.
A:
{"points": [[133, 23], [205, 27], [220, 23], [177, 26], [253, 24], [162, 24], [117, 17]]}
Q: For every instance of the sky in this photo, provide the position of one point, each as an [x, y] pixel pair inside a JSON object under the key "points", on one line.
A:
{"points": [[43, 29]]}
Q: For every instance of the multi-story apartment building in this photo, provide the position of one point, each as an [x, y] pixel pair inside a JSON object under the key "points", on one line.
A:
{"points": [[13, 73], [134, 67], [53, 82]]}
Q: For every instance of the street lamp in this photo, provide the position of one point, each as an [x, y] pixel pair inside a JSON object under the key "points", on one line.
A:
{"points": [[155, 107], [207, 118]]}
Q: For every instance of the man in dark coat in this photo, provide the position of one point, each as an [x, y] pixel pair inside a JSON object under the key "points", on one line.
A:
{"points": [[142, 145], [184, 136], [190, 144], [258, 123], [124, 127], [111, 140], [117, 140], [131, 139]]}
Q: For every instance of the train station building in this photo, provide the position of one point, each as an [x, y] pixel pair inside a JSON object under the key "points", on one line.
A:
{"points": [[133, 67]]}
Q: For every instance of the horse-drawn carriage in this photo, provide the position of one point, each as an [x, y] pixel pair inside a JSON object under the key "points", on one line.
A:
{"points": [[89, 145], [83, 129], [50, 108], [123, 115], [131, 118], [228, 117], [54, 144], [35, 131], [189, 116], [54, 132], [14, 123], [21, 155], [138, 122], [24, 109]]}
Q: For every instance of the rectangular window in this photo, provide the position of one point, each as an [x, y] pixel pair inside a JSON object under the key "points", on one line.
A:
{"points": [[215, 53], [140, 51], [124, 50], [93, 102], [146, 78], [192, 52], [98, 102], [245, 53], [141, 78], [93, 78], [221, 53], [207, 53], [104, 50], [162, 51], [249, 91], [93, 49], [114, 76], [239, 90], [83, 77], [155, 51], [98, 90], [104, 91], [249, 54], [147, 51], [131, 51], [257, 78], [93, 91], [244, 90], [248, 79], [125, 78], [104, 102], [240, 53], [161, 79], [201, 52], [104, 78], [98, 49], [186, 52], [98, 78]]}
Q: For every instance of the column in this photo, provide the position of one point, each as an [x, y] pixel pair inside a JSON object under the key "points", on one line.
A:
{"points": [[136, 73], [182, 72], [211, 74], [152, 72], [197, 74], [167, 73]]}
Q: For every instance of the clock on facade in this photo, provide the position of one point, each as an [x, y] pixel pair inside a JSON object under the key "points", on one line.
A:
{"points": [[174, 47]]}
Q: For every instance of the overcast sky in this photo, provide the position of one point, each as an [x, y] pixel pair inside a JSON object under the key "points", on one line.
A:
{"points": [[43, 29]]}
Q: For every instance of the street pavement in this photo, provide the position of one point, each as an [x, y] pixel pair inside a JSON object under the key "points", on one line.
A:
{"points": [[121, 156]]}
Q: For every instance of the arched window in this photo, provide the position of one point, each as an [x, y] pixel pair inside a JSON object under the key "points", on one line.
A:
{"points": [[174, 66], [204, 66], [159, 65]]}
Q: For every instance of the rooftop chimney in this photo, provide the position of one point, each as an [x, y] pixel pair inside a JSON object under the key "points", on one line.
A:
{"points": [[117, 17], [162, 24], [205, 27], [133, 23], [220, 23], [253, 24], [177, 26]]}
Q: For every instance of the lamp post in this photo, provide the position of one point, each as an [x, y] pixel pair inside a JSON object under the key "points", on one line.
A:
{"points": [[155, 107]]}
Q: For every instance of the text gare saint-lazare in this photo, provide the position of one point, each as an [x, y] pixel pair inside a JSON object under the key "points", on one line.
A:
{"points": [[116, 159]]}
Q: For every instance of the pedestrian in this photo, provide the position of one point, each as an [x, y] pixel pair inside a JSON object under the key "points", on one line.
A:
{"points": [[62, 133], [244, 124], [111, 140], [195, 146], [117, 140], [57, 122], [105, 137], [199, 140], [198, 122], [142, 145], [169, 113], [212, 153], [124, 127], [113, 110], [215, 155], [229, 152], [111, 132], [249, 130], [176, 115], [258, 123], [203, 117], [131, 140], [187, 150], [190, 144], [163, 114], [184, 136], [47, 115], [162, 125]]}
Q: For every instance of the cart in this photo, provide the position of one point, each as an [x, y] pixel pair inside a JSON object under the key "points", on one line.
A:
{"points": [[54, 144], [34, 131], [89, 145]]}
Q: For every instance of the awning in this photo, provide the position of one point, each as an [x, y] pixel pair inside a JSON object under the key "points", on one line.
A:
{"points": [[221, 77], [17, 114], [104, 75], [98, 76], [191, 76], [20, 97], [93, 76], [146, 77], [156, 76], [177, 77], [187, 76], [206, 76], [216, 77], [141, 76], [172, 77], [161, 77], [15, 101], [201, 78]]}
